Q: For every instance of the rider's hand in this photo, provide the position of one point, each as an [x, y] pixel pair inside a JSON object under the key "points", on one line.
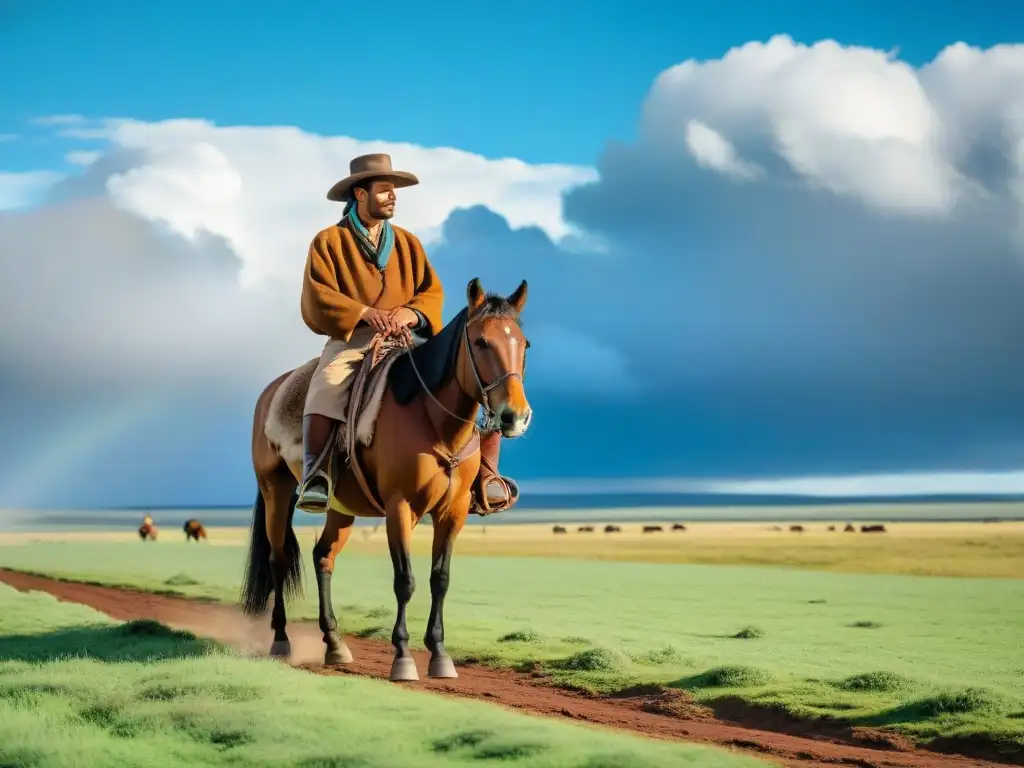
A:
{"points": [[403, 332], [405, 317], [380, 321]]}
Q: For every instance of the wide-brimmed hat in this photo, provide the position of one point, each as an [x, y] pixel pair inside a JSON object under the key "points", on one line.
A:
{"points": [[370, 167]]}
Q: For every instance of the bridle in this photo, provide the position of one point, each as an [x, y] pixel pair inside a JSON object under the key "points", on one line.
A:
{"points": [[485, 389], [487, 416]]}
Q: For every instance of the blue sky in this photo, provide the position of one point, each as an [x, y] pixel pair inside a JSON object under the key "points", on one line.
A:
{"points": [[750, 270], [541, 81]]}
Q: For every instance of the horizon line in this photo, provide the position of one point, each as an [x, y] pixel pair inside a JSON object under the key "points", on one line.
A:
{"points": [[864, 485]]}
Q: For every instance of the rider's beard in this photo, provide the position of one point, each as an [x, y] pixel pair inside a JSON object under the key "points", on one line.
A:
{"points": [[380, 212]]}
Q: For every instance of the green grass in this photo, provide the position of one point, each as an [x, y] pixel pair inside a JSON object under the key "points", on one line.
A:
{"points": [[867, 649], [77, 689]]}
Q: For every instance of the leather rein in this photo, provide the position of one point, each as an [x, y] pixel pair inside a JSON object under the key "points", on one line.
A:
{"points": [[484, 401]]}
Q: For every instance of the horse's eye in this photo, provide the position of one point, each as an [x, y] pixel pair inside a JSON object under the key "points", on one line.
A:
{"points": [[482, 343], [527, 344]]}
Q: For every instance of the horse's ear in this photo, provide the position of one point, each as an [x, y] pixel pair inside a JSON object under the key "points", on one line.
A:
{"points": [[518, 297], [474, 295]]}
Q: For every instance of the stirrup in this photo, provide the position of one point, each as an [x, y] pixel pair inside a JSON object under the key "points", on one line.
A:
{"points": [[312, 499], [509, 490]]}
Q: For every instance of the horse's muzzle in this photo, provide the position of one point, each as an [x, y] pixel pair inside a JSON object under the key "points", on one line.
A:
{"points": [[514, 423]]}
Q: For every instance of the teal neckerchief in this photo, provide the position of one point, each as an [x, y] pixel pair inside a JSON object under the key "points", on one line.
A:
{"points": [[376, 254]]}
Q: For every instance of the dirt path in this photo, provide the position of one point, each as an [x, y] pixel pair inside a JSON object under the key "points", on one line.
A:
{"points": [[659, 714]]}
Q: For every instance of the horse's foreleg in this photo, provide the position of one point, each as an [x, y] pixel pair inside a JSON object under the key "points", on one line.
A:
{"points": [[399, 528], [337, 529], [445, 531]]}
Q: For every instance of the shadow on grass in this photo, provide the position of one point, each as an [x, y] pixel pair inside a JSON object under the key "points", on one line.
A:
{"points": [[978, 702], [141, 640]]}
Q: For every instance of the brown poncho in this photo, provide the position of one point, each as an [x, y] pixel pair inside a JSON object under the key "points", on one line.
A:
{"points": [[339, 282]]}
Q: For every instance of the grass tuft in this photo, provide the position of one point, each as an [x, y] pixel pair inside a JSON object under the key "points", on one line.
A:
{"points": [[962, 701], [591, 660], [521, 636], [659, 657], [749, 633], [181, 580], [877, 682], [735, 676]]}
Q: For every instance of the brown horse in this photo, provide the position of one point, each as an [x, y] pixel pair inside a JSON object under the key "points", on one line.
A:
{"points": [[148, 529], [422, 460], [194, 530]]}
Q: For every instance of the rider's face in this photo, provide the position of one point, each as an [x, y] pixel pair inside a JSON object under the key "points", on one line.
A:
{"points": [[380, 203]]}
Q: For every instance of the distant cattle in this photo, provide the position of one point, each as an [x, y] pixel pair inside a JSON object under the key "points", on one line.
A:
{"points": [[586, 529], [796, 528], [831, 527], [612, 529], [678, 527], [872, 529], [558, 529], [849, 528], [652, 529], [193, 530]]}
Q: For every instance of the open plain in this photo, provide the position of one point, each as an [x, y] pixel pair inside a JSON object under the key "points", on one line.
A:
{"points": [[802, 647]]}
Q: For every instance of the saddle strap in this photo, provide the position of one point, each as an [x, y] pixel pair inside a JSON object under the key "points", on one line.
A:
{"points": [[355, 398], [450, 462]]}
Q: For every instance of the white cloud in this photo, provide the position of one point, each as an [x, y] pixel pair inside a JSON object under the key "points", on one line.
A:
{"points": [[877, 237], [52, 120], [84, 133], [851, 120], [982, 94], [190, 240], [263, 189], [19, 190], [712, 150], [82, 158]]}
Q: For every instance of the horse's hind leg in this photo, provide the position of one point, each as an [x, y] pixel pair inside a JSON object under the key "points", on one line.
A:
{"points": [[337, 529], [284, 554]]}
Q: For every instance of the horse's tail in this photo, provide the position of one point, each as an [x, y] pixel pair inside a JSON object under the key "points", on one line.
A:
{"points": [[258, 582]]}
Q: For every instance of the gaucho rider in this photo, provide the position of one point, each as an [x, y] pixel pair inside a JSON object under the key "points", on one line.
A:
{"points": [[365, 276]]}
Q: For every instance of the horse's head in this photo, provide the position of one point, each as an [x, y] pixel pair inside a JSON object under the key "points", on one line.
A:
{"points": [[495, 358]]}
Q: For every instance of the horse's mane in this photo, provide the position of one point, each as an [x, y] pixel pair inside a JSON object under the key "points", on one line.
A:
{"points": [[435, 358], [496, 306]]}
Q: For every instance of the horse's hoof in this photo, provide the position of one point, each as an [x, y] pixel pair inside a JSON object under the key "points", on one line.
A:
{"points": [[442, 666], [404, 670], [281, 649], [340, 654]]}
